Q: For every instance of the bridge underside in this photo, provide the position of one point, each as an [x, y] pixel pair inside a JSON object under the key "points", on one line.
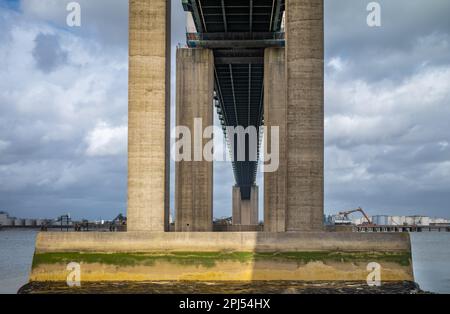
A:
{"points": [[238, 32]]}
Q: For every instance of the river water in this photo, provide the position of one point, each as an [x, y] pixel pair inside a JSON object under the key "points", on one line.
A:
{"points": [[16, 254], [431, 254]]}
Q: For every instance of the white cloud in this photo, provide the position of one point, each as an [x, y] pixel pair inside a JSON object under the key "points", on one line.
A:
{"points": [[104, 20], [386, 142], [105, 140], [443, 145], [361, 113], [46, 117], [336, 64], [3, 145]]}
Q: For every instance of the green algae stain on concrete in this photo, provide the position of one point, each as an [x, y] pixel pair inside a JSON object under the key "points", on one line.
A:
{"points": [[209, 259]]}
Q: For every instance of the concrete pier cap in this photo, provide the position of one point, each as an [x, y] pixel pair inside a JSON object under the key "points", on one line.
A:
{"points": [[222, 256]]}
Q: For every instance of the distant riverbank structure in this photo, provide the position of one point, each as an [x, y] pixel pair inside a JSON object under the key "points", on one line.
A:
{"points": [[63, 222], [388, 223], [8, 221], [415, 220], [387, 220]]}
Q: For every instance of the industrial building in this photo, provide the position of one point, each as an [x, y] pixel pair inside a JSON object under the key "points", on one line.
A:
{"points": [[5, 220], [386, 223], [8, 221], [416, 220]]}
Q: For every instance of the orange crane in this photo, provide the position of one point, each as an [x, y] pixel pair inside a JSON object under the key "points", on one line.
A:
{"points": [[359, 209]]}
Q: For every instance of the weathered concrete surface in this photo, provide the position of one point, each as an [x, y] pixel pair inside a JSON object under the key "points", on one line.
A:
{"points": [[194, 179], [174, 268], [305, 114], [148, 118], [237, 228], [221, 241], [275, 189], [245, 212], [215, 256]]}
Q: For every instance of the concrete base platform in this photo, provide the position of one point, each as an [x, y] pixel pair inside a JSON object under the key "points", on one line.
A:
{"points": [[228, 256]]}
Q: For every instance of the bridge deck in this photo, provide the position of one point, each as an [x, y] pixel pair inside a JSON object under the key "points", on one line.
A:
{"points": [[238, 31]]}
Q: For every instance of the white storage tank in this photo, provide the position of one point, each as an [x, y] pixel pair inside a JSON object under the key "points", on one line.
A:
{"points": [[380, 220], [3, 218], [30, 222], [397, 220], [416, 220], [422, 221], [410, 220], [7, 222], [19, 222]]}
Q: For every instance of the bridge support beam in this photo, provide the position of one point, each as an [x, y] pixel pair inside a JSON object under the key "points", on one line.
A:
{"points": [[149, 110], [305, 114], [245, 212], [194, 178]]}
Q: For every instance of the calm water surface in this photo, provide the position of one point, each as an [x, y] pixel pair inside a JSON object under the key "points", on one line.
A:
{"points": [[431, 255], [16, 253], [431, 260]]}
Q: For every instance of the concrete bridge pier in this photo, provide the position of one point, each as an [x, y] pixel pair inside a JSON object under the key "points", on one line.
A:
{"points": [[275, 189], [305, 114], [194, 177], [148, 116], [294, 101], [245, 212]]}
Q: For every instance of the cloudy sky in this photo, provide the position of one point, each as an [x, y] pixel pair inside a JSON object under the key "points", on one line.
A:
{"points": [[63, 109]]}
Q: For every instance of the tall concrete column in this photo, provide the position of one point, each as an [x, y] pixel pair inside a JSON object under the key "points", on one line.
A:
{"points": [[245, 212], [305, 114], [148, 115], [194, 179], [275, 190]]}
